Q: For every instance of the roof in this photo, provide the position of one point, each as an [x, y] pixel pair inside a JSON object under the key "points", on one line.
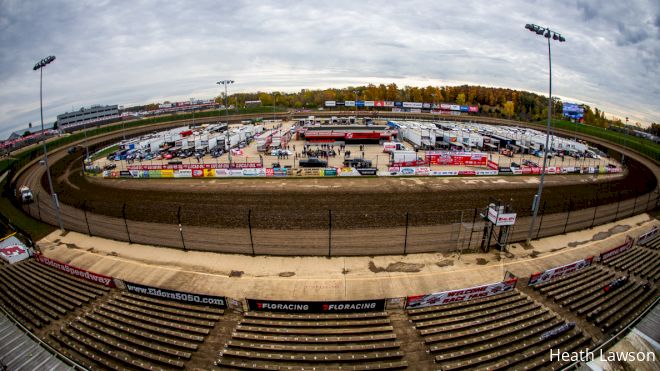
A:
{"points": [[35, 128]]}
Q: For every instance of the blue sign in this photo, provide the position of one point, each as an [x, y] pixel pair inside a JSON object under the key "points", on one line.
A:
{"points": [[465, 108], [359, 103], [398, 104], [573, 110]]}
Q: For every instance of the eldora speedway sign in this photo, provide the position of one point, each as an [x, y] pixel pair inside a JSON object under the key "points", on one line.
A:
{"points": [[316, 306], [446, 297], [556, 272], [617, 250], [75, 271]]}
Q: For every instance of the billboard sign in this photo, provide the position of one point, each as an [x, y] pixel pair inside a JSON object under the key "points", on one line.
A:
{"points": [[76, 272], [179, 296], [351, 306], [454, 296], [556, 272], [330, 103], [12, 250], [573, 110]]}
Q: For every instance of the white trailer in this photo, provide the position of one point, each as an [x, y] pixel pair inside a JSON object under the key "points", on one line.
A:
{"points": [[403, 156]]}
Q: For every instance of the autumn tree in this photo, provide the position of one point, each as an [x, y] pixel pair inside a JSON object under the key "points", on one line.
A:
{"points": [[508, 109]]}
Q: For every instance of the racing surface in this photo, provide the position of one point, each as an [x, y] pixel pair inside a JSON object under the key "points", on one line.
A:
{"points": [[353, 216]]}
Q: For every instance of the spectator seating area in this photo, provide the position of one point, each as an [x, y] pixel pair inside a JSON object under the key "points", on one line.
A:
{"points": [[610, 300], [639, 261], [134, 331], [36, 294], [653, 244], [504, 331], [270, 341]]}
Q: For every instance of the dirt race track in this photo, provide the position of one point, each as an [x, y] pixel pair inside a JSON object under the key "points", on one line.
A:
{"points": [[355, 216]]}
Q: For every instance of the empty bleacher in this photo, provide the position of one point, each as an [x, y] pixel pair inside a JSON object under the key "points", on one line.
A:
{"points": [[653, 244], [498, 332], [37, 294], [132, 331], [610, 300], [272, 341], [640, 261]]}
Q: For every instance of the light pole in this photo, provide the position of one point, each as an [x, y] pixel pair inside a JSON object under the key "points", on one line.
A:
{"points": [[547, 33], [192, 105], [356, 107], [625, 133], [227, 144], [40, 66]]}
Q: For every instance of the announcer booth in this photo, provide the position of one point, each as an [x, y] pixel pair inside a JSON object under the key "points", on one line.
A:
{"points": [[12, 250]]}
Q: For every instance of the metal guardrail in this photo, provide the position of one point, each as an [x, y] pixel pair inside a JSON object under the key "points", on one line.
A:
{"points": [[53, 351]]}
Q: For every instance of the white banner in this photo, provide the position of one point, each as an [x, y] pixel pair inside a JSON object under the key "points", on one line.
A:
{"points": [[556, 272], [412, 105], [368, 103], [330, 103], [349, 103], [446, 297]]}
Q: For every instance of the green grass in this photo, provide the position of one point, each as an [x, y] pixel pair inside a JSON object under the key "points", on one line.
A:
{"points": [[641, 145], [5, 164], [35, 228]]}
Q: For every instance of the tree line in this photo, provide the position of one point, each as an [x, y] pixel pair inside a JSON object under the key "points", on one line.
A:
{"points": [[492, 101]]}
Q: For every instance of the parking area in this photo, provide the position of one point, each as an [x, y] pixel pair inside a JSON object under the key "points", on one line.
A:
{"points": [[249, 152]]}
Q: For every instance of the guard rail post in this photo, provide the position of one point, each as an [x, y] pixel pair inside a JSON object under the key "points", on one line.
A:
{"points": [[250, 229]]}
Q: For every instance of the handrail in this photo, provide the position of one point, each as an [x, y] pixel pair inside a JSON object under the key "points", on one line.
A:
{"points": [[575, 364], [43, 344]]}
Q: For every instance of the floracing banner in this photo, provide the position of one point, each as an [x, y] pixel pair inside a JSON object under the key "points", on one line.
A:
{"points": [[316, 306], [456, 158], [446, 297], [180, 296], [75, 271], [617, 250], [556, 272]]}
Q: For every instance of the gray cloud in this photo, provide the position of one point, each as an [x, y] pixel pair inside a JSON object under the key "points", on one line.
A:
{"points": [[136, 52]]}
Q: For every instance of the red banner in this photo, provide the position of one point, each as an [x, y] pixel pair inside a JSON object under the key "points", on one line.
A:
{"points": [[456, 158], [446, 297], [76, 272], [556, 272], [492, 165], [617, 250]]}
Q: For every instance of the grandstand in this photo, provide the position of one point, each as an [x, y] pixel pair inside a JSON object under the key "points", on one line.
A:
{"points": [[505, 331]]}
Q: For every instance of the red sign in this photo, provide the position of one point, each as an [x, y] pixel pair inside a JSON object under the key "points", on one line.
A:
{"points": [[617, 250], [75, 271], [492, 165], [456, 158]]}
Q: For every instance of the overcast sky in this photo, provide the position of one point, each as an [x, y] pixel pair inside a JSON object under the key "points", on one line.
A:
{"points": [[134, 52]]}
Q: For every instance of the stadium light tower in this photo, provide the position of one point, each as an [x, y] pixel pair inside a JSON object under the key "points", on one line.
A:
{"points": [[356, 92], [548, 34], [40, 66]]}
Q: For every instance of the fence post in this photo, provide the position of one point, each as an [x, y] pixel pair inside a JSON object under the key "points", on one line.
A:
{"points": [[84, 208], [474, 220], [634, 206], [178, 219], [329, 233], [538, 231], [648, 202], [405, 238], [123, 214], [250, 229], [568, 216], [617, 207], [593, 220], [38, 207]]}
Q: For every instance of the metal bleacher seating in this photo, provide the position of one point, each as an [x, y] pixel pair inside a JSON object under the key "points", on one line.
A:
{"points": [[504, 331], [269, 341]]}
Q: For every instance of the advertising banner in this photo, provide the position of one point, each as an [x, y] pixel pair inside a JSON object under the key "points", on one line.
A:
{"points": [[501, 218], [443, 173], [445, 107], [183, 173], [209, 173], [516, 171], [422, 171], [125, 174], [234, 165], [330, 103], [648, 236], [348, 171], [316, 306], [221, 173], [379, 103], [454, 296], [486, 172], [369, 103], [456, 158], [492, 165], [473, 109], [367, 171], [617, 250], [330, 172], [12, 250], [349, 103], [389, 103], [556, 272], [465, 109], [155, 174], [412, 105], [178, 296], [77, 272], [454, 107], [198, 173], [467, 172], [305, 171], [259, 172]]}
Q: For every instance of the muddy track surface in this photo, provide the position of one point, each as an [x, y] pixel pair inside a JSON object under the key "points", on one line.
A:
{"points": [[350, 203]]}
